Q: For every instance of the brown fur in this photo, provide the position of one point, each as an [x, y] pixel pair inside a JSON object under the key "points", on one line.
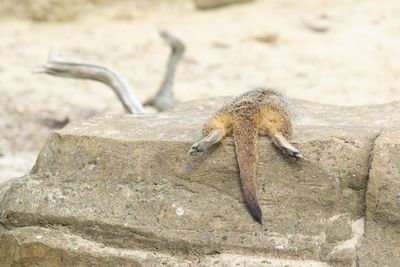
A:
{"points": [[257, 112]]}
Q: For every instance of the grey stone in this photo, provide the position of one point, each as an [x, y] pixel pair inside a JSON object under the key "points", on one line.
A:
{"points": [[126, 184], [381, 246], [46, 10], [208, 4], [53, 248]]}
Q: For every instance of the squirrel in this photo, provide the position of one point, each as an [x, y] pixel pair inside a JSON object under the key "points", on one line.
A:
{"points": [[261, 111]]}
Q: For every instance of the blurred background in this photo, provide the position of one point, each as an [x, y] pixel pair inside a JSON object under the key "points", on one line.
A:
{"points": [[332, 52]]}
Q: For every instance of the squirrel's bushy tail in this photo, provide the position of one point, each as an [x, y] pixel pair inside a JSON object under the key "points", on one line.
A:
{"points": [[245, 135]]}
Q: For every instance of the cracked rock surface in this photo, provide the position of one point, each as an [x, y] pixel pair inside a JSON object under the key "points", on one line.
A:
{"points": [[122, 191]]}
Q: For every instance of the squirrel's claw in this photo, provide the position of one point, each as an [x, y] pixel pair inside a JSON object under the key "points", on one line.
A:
{"points": [[195, 149], [294, 153], [205, 143], [297, 156], [286, 147]]}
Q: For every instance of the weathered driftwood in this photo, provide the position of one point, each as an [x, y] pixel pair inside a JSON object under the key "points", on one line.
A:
{"points": [[57, 66], [164, 98]]}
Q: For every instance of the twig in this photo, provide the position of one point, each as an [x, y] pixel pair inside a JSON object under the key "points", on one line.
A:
{"points": [[58, 67], [164, 98]]}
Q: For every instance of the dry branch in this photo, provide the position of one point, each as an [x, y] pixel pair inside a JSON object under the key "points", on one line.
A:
{"points": [[59, 67], [164, 98]]}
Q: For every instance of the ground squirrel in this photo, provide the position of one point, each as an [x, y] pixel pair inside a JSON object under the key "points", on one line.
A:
{"points": [[257, 112]]}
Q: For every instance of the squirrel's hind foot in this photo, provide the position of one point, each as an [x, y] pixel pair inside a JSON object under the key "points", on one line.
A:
{"points": [[286, 147], [294, 153], [197, 148], [201, 146]]}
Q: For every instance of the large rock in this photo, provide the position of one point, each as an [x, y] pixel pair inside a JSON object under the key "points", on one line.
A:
{"points": [[122, 191], [381, 246]]}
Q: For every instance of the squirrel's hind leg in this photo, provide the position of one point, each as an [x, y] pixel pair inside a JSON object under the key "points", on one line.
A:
{"points": [[216, 129], [285, 146], [205, 143]]}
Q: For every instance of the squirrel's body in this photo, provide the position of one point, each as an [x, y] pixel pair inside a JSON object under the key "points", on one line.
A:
{"points": [[257, 112]]}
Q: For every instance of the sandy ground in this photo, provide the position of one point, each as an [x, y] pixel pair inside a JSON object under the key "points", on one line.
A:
{"points": [[325, 51]]}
